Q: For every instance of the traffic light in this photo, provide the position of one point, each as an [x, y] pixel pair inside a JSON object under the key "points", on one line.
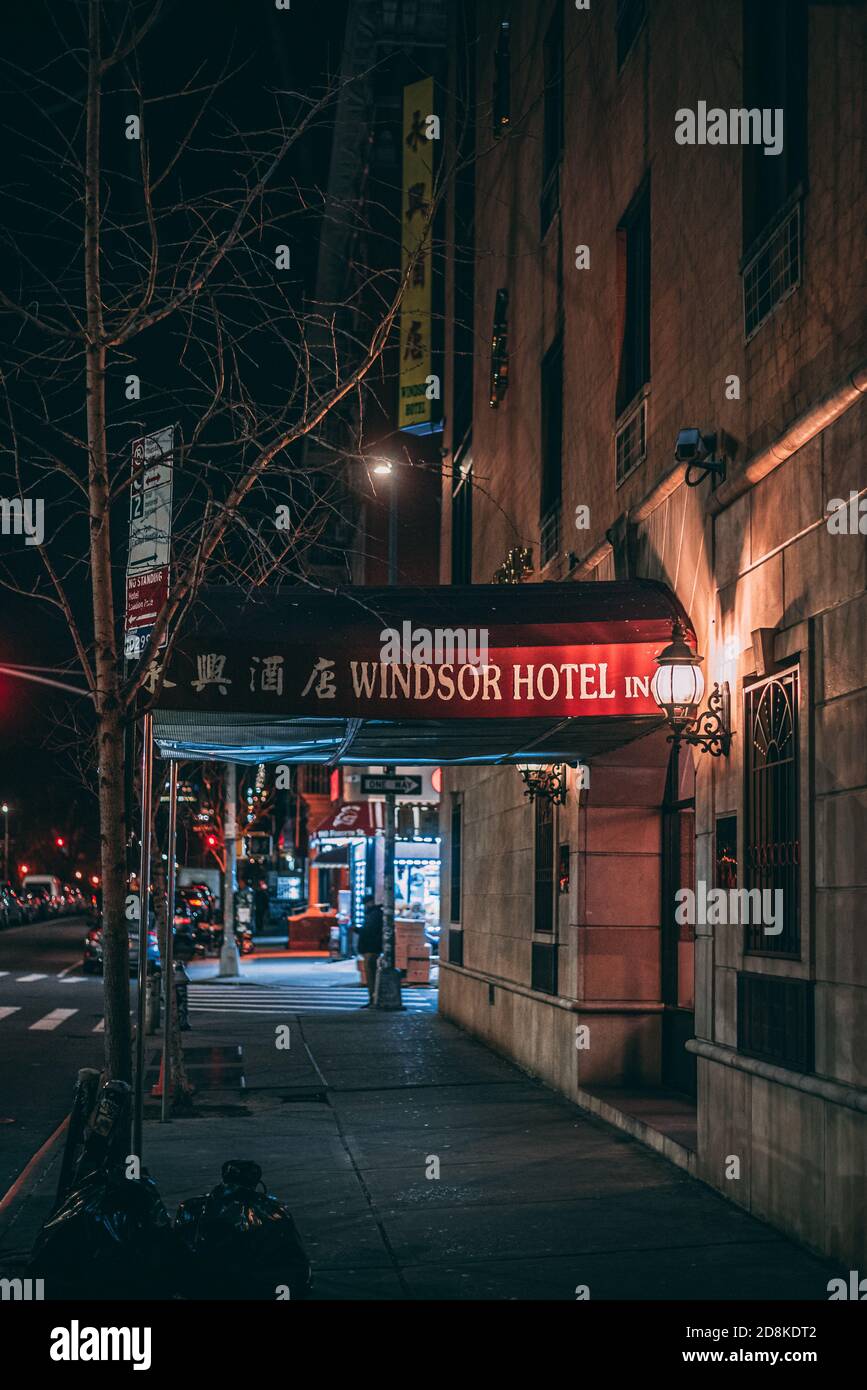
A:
{"points": [[60, 842]]}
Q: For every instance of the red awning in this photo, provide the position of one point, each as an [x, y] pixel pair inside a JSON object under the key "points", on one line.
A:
{"points": [[351, 820], [381, 676]]}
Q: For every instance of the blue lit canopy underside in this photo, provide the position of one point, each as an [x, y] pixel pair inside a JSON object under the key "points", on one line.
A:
{"points": [[239, 738]]}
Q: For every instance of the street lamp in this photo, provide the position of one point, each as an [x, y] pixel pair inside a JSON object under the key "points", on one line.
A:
{"points": [[5, 809], [678, 687], [387, 990]]}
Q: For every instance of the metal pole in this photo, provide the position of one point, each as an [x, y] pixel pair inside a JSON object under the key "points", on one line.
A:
{"points": [[392, 527], [168, 963], [387, 993], [230, 965], [143, 926], [5, 842]]}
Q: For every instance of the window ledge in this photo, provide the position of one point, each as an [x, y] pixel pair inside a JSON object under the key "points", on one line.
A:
{"points": [[836, 1092]]}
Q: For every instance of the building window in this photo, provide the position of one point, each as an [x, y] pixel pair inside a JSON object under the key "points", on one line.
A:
{"points": [[551, 493], [630, 442], [500, 348], [772, 846], [462, 518], [502, 104], [633, 279], [631, 14], [726, 853], [317, 781], [552, 134], [776, 1020], [456, 861], [543, 910], [775, 80], [456, 946], [773, 272]]}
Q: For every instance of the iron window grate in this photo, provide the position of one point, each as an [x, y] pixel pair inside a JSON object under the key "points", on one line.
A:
{"points": [[630, 442], [773, 272], [544, 967], [549, 535], [772, 847], [776, 1020]]}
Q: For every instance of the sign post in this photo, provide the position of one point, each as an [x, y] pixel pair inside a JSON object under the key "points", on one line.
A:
{"points": [[168, 963], [147, 758]]}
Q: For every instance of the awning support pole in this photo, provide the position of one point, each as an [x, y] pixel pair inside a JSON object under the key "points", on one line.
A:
{"points": [[168, 963], [147, 763], [230, 964], [387, 992]]}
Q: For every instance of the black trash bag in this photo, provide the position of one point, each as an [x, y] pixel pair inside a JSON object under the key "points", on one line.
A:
{"points": [[111, 1238], [240, 1242]]}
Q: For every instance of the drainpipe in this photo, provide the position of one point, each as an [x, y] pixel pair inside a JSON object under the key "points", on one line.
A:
{"points": [[804, 428]]}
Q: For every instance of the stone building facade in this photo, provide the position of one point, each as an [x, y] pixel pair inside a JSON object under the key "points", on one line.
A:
{"points": [[608, 284]]}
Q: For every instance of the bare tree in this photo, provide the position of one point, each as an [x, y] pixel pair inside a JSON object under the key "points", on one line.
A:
{"points": [[164, 267]]}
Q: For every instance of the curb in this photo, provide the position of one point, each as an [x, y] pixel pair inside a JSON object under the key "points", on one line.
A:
{"points": [[29, 1178]]}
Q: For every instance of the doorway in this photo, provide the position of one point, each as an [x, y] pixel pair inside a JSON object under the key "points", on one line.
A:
{"points": [[678, 939]]}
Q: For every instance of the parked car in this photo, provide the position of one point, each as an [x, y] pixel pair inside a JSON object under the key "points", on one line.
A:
{"points": [[199, 899], [12, 910], [184, 948], [37, 906], [310, 929]]}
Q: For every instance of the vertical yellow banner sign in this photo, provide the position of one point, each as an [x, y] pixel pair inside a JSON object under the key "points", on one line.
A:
{"points": [[415, 409]]}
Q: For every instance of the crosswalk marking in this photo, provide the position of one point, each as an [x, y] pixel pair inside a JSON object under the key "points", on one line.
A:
{"points": [[28, 979], [300, 999], [4, 1013], [71, 979], [52, 1020], [4, 972], [100, 1027]]}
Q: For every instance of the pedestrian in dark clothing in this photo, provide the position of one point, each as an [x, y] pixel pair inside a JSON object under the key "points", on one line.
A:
{"points": [[370, 945], [260, 904]]}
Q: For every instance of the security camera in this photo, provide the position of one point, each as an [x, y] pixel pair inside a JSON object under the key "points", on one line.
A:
{"points": [[693, 447], [697, 451]]}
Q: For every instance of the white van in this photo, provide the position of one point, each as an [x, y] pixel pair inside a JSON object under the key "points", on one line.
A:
{"points": [[42, 883]]}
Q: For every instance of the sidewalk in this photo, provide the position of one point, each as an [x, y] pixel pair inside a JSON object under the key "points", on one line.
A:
{"points": [[533, 1197]]}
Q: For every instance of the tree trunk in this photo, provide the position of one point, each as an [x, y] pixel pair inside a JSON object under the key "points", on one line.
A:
{"points": [[109, 721], [115, 933]]}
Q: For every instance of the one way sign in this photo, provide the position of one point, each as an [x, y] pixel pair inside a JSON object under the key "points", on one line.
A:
{"points": [[400, 786]]}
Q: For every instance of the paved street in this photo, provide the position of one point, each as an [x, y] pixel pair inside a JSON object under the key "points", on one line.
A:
{"points": [[51, 1018], [419, 1165], [50, 1026]]}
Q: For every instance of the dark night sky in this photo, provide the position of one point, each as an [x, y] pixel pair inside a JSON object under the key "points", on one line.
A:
{"points": [[294, 50]]}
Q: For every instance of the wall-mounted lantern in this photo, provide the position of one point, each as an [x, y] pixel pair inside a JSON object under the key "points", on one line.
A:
{"points": [[546, 780], [678, 687]]}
